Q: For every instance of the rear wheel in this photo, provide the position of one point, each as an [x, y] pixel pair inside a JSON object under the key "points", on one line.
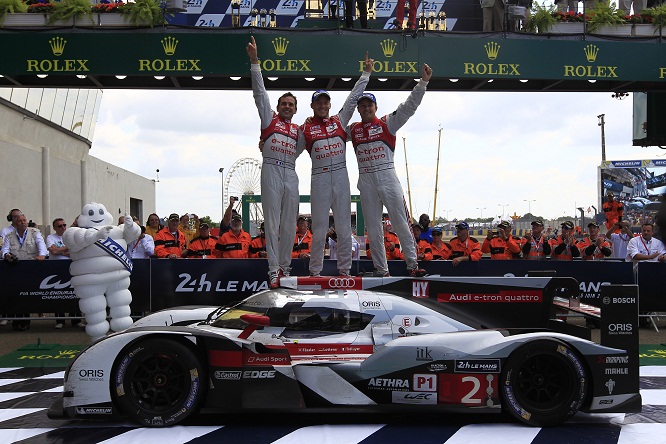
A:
{"points": [[544, 383], [158, 382]]}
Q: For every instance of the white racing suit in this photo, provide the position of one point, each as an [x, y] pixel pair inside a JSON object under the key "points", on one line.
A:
{"points": [[326, 141], [279, 182], [374, 144]]}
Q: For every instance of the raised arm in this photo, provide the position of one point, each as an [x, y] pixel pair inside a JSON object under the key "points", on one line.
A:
{"points": [[405, 110], [349, 107], [261, 99]]}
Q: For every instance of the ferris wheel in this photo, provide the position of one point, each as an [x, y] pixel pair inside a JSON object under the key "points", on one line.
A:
{"points": [[244, 177]]}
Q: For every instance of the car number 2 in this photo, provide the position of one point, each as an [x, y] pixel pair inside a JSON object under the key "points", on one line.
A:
{"points": [[467, 389]]}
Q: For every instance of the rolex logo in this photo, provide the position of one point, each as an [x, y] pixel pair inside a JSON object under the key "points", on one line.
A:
{"points": [[492, 49], [388, 46], [591, 52], [169, 44], [280, 44], [57, 45]]}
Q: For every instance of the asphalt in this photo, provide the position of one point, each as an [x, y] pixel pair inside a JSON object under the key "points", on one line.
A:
{"points": [[44, 331]]}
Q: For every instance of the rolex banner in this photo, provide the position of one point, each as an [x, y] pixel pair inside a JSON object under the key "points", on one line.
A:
{"points": [[300, 54]]}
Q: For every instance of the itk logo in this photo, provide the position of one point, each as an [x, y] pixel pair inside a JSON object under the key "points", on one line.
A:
{"points": [[590, 72], [492, 50], [45, 66], [169, 45]]}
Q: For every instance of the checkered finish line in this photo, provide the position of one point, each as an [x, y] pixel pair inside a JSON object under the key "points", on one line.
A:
{"points": [[27, 393]]}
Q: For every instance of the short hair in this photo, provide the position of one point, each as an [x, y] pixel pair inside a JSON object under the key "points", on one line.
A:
{"points": [[648, 223], [288, 94], [56, 220]]}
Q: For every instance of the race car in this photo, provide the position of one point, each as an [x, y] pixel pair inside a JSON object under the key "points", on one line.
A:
{"points": [[435, 343]]}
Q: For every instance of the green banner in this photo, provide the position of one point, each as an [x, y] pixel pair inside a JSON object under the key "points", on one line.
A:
{"points": [[303, 54]]}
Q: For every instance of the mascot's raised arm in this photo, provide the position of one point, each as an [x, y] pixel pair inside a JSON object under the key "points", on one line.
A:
{"points": [[101, 268]]}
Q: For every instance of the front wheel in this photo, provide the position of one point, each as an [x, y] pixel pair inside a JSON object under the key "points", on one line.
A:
{"points": [[544, 383], [158, 382]]}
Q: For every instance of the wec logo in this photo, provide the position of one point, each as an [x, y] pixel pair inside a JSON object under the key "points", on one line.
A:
{"points": [[49, 283]]}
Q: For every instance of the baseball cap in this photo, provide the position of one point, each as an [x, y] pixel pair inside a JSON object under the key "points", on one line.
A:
{"points": [[436, 230], [593, 224], [368, 96], [302, 217], [236, 217], [203, 225], [537, 222], [320, 92], [504, 224], [567, 225], [174, 216], [462, 225]]}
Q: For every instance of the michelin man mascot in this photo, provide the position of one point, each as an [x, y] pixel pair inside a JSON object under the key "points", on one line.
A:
{"points": [[101, 266]]}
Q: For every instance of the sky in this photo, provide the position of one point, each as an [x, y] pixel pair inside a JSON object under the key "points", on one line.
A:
{"points": [[500, 153]]}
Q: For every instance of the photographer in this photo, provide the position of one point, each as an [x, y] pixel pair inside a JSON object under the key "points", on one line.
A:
{"points": [[501, 244]]}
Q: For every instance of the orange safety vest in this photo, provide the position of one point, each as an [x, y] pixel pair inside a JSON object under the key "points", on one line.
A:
{"points": [[440, 253], [423, 247], [596, 252], [389, 237], [565, 254], [258, 244], [501, 249], [302, 244], [535, 250], [470, 247], [234, 246], [200, 248], [166, 243]]}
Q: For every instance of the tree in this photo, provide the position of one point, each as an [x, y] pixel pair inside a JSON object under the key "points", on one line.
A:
{"points": [[209, 221]]}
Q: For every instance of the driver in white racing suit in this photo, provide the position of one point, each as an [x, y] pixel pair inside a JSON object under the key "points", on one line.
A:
{"points": [[325, 138], [279, 182], [374, 143]]}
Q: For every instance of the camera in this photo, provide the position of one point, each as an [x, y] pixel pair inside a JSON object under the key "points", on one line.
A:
{"points": [[235, 198], [10, 257], [495, 232]]}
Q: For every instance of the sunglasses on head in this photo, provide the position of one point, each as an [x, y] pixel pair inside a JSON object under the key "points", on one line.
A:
{"points": [[61, 226]]}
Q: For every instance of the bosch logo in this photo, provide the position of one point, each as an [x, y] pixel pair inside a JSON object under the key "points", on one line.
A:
{"points": [[341, 282], [606, 300], [624, 300]]}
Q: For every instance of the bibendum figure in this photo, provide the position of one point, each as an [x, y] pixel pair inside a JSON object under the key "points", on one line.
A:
{"points": [[101, 268]]}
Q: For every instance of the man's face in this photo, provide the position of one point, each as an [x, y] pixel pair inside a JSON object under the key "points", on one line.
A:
{"points": [[417, 233], [567, 231], [236, 225], [15, 215], [611, 198], [287, 107], [21, 223], [60, 227], [367, 109], [647, 232], [537, 230], [462, 233], [506, 230], [594, 231], [302, 226], [204, 233], [173, 225], [321, 106], [424, 220]]}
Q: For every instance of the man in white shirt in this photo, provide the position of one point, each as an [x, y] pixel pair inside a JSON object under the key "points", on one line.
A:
{"points": [[620, 240], [54, 244], [645, 247], [332, 240], [13, 218], [143, 247]]}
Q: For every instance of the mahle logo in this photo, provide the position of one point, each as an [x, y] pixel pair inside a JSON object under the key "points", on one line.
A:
{"points": [[169, 45], [45, 66], [492, 50]]}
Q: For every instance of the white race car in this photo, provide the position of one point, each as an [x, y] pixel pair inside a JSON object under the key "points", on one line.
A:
{"points": [[427, 343]]}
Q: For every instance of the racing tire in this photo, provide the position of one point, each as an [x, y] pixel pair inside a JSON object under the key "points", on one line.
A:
{"points": [[158, 382], [543, 383]]}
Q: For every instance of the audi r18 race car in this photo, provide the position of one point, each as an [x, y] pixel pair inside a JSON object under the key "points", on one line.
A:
{"points": [[428, 343]]}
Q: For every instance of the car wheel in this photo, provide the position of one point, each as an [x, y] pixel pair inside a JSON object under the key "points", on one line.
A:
{"points": [[544, 383], [158, 382]]}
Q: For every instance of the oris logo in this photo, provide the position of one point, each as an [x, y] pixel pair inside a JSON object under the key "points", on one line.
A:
{"points": [[371, 304], [341, 282], [620, 328], [91, 373]]}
